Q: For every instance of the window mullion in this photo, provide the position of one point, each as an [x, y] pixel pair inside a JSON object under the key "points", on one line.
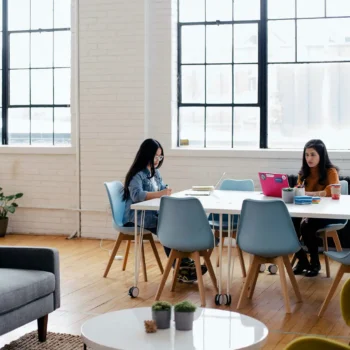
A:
{"points": [[5, 72]]}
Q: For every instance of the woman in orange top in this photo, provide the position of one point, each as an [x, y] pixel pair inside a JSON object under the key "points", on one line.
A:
{"points": [[316, 174]]}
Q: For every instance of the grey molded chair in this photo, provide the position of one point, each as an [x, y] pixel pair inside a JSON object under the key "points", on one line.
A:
{"points": [[115, 196], [344, 259], [330, 231], [29, 287], [266, 231], [183, 227], [231, 185]]}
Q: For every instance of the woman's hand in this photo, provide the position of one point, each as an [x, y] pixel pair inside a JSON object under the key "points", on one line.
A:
{"points": [[165, 192], [317, 193]]}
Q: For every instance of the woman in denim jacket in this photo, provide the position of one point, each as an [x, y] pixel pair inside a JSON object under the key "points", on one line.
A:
{"points": [[144, 182]]}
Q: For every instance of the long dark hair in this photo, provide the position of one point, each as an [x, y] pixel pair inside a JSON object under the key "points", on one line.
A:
{"points": [[323, 165], [144, 158]]}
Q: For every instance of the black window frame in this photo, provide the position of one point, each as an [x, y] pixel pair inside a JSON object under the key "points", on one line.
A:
{"points": [[6, 76], [263, 64]]}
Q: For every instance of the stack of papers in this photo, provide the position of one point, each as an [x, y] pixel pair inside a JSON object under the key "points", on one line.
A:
{"points": [[203, 188]]}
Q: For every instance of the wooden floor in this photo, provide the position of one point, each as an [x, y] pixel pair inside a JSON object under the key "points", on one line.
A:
{"points": [[85, 293]]}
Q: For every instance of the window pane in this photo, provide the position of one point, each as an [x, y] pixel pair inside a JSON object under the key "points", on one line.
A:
{"points": [[19, 14], [221, 11], [281, 41], [246, 9], [41, 14], [246, 43], [219, 127], [0, 46], [324, 39], [19, 50], [62, 126], [0, 93], [219, 84], [310, 8], [62, 47], [191, 120], [41, 50], [309, 101], [219, 44], [19, 87], [246, 83], [62, 86], [18, 126], [246, 127], [62, 13], [192, 84], [281, 9], [191, 10], [192, 44], [41, 86], [42, 126], [338, 8], [0, 14]]}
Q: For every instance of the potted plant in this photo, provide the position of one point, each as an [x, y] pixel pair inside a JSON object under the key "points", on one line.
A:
{"points": [[161, 314], [184, 313], [7, 205]]}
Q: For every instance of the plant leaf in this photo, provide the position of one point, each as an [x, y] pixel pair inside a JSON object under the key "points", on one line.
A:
{"points": [[15, 205], [19, 195]]}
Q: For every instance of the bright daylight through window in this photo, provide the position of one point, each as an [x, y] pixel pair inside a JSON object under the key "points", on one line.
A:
{"points": [[263, 73], [35, 72]]}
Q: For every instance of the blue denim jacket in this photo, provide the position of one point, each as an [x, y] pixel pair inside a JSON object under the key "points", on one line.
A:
{"points": [[139, 185]]}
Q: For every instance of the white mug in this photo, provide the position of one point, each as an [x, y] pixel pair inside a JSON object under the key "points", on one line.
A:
{"points": [[300, 191]]}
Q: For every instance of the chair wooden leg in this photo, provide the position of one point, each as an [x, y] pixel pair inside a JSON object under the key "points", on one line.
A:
{"points": [[114, 253], [333, 288], [291, 275], [218, 254], [248, 282], [255, 278], [176, 273], [155, 251], [196, 258], [144, 269], [294, 259], [128, 243], [284, 286], [206, 257], [325, 249], [334, 235], [42, 328], [168, 267], [241, 260]]}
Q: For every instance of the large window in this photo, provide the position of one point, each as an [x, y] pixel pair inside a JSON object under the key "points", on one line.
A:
{"points": [[263, 73], [36, 60]]}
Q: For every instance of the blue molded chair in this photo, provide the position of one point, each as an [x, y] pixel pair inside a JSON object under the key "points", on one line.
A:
{"points": [[115, 196], [330, 231], [231, 185], [183, 227], [266, 231]]}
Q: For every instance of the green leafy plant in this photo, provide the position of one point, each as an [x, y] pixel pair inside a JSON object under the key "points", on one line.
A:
{"points": [[161, 306], [288, 189], [8, 204], [185, 306]]}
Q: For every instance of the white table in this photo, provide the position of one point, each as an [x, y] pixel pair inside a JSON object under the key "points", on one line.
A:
{"points": [[212, 330], [230, 202]]}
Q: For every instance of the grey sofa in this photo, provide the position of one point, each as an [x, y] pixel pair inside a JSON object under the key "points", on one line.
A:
{"points": [[29, 287]]}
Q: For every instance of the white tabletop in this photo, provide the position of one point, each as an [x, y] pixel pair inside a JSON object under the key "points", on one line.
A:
{"points": [[230, 202], [212, 330]]}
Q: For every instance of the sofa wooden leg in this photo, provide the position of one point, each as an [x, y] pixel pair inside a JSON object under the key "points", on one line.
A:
{"points": [[42, 328]]}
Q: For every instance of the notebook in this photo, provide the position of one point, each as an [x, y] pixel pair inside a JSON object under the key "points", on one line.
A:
{"points": [[272, 184]]}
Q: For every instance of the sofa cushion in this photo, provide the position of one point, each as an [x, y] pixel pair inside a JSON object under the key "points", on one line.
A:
{"points": [[20, 287]]}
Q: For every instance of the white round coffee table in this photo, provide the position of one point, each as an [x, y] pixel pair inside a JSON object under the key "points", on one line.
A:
{"points": [[212, 329]]}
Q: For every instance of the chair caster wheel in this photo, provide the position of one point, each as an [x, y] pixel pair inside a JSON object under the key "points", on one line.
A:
{"points": [[134, 292], [262, 268], [273, 269], [228, 299], [219, 299]]}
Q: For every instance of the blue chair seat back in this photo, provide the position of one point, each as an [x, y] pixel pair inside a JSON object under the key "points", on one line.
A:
{"points": [[115, 191], [266, 229], [183, 225]]}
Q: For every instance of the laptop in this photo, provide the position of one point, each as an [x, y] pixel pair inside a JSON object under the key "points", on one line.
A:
{"points": [[272, 184]]}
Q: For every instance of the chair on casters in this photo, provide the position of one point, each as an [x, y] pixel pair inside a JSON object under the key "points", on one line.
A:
{"points": [[266, 231], [115, 196], [183, 227], [330, 231], [230, 185]]}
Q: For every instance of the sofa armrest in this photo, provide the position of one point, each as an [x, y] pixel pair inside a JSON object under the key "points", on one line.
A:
{"points": [[33, 258]]}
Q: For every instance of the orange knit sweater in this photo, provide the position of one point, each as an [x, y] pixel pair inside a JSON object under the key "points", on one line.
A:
{"points": [[312, 184]]}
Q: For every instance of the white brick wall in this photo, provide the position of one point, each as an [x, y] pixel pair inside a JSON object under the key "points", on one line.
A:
{"points": [[127, 92]]}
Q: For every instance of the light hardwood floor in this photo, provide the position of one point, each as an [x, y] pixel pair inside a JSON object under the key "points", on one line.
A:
{"points": [[85, 293]]}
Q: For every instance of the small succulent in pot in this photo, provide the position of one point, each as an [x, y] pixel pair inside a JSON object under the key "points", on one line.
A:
{"points": [[184, 314], [161, 314]]}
